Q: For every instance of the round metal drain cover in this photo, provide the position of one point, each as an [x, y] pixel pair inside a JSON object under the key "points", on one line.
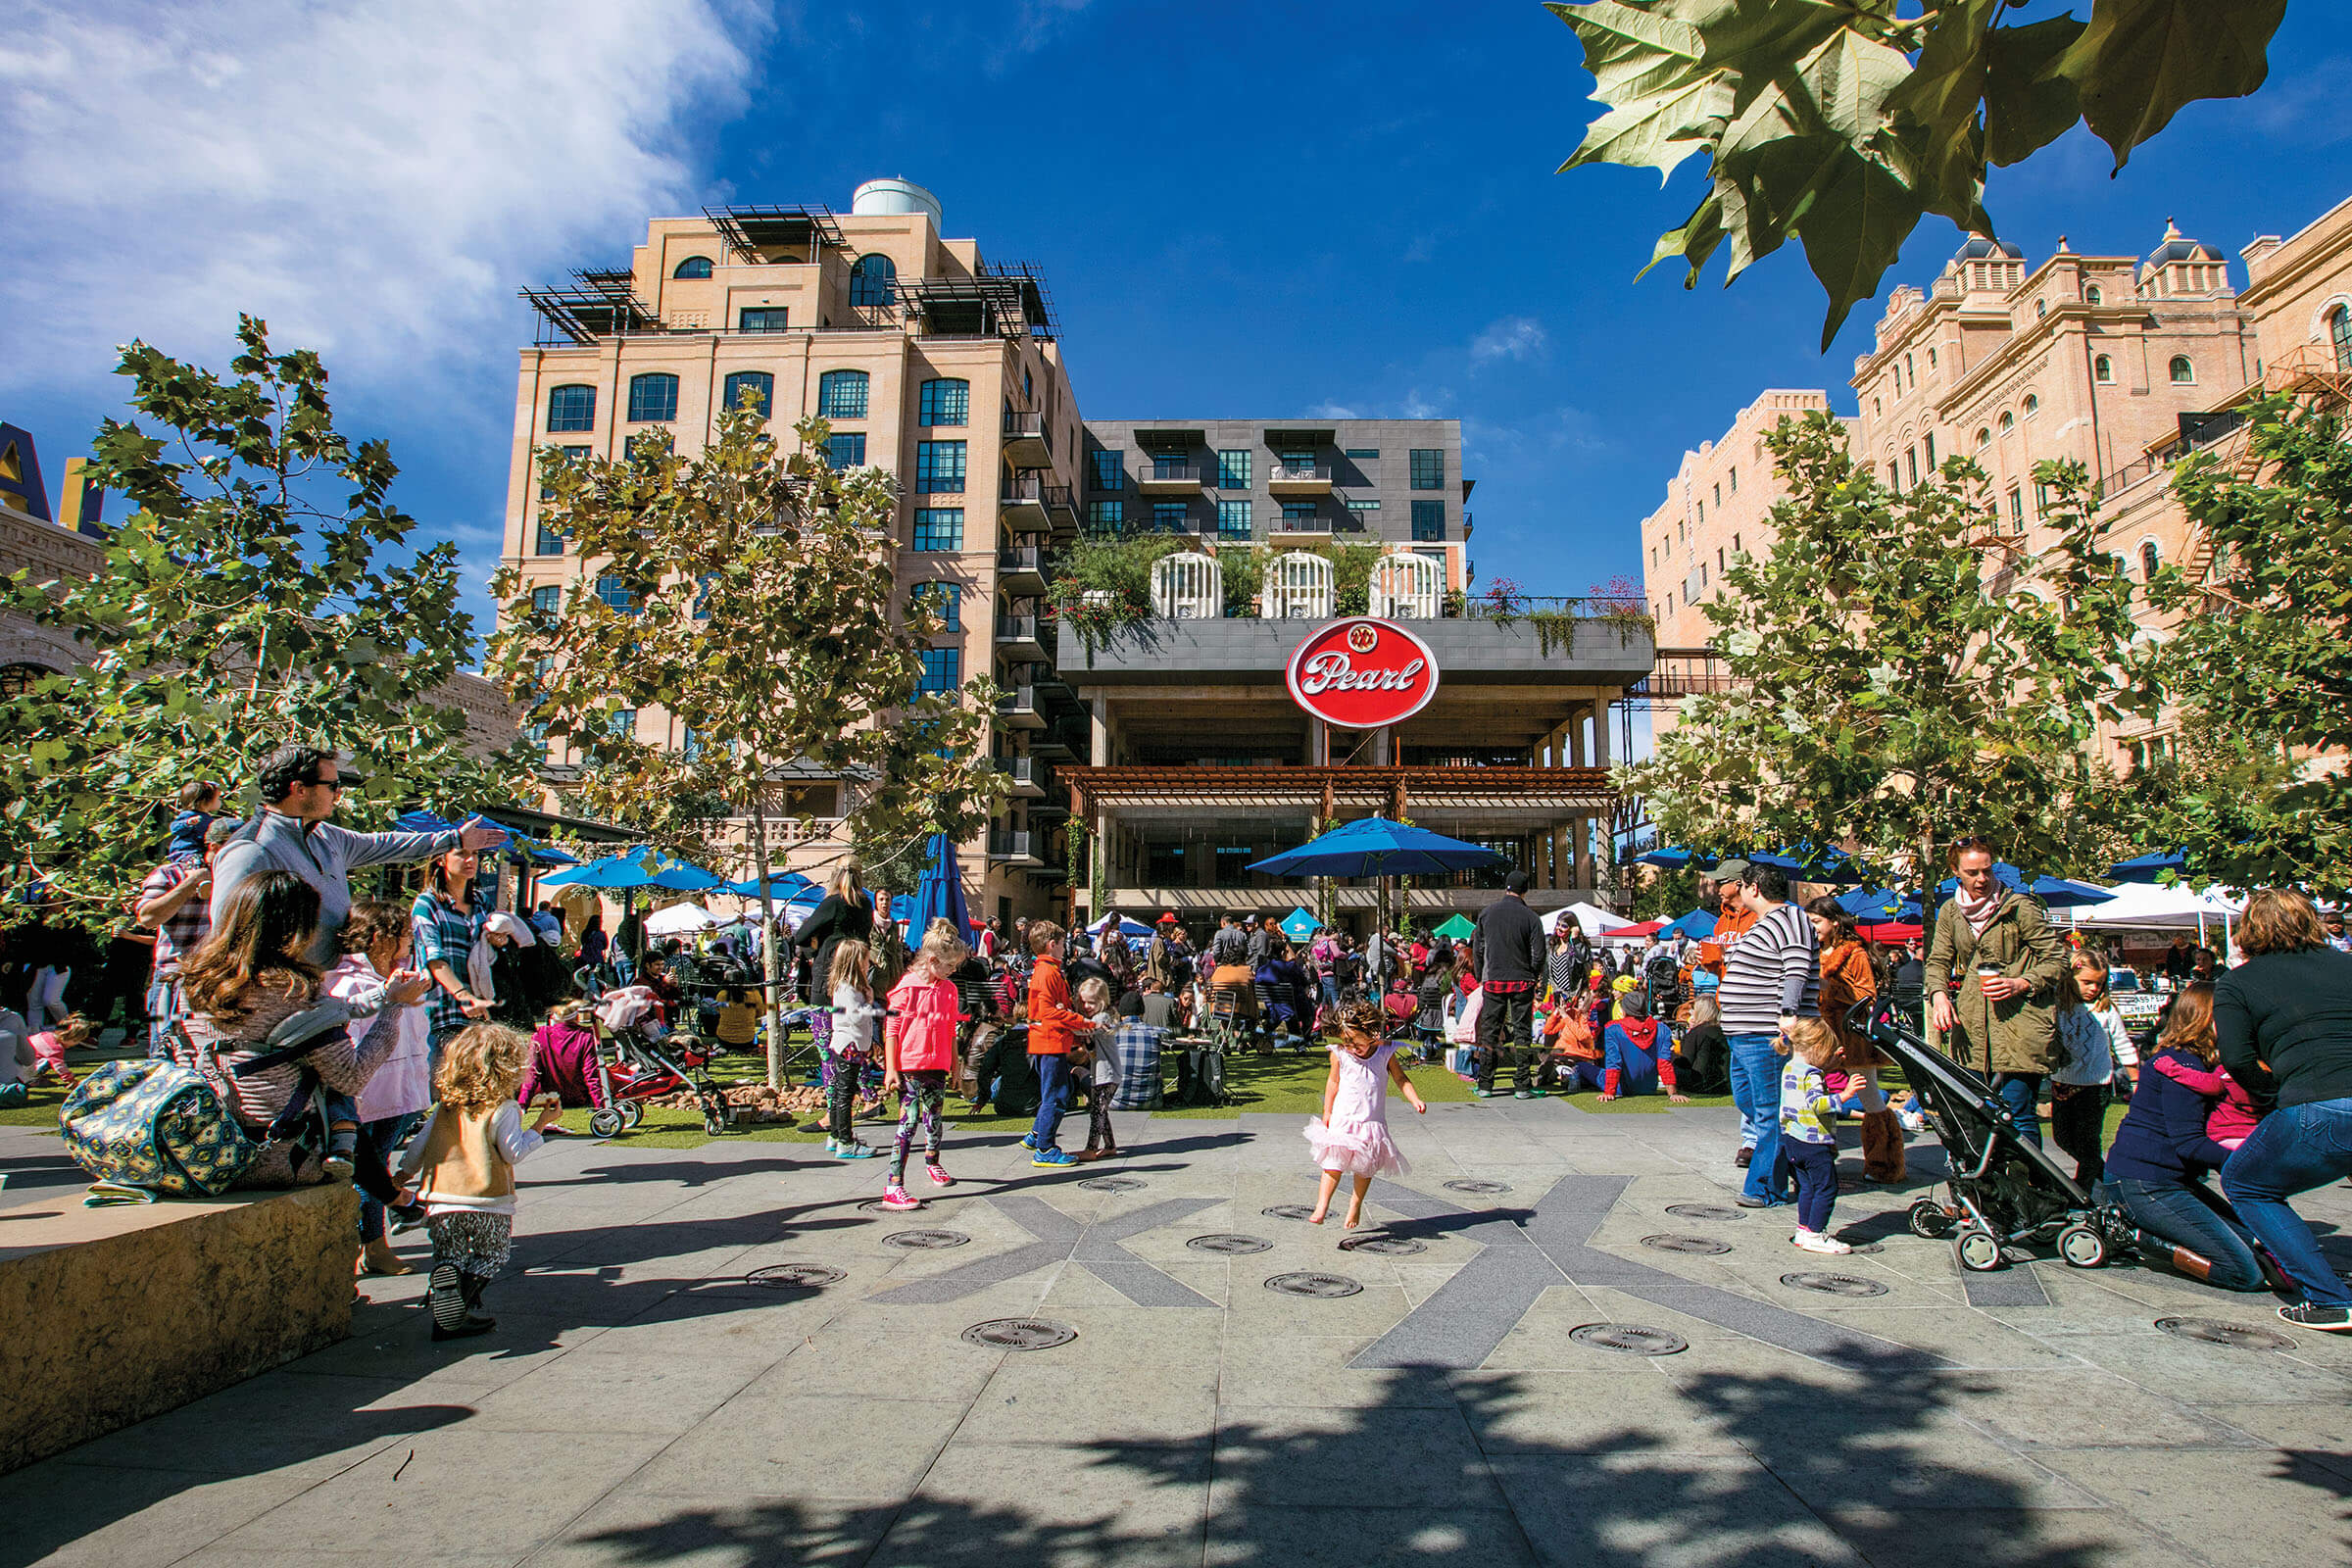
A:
{"points": [[1477, 1186], [795, 1276], [1383, 1245], [1112, 1184], [1630, 1338], [1228, 1243], [1833, 1284], [925, 1241], [1019, 1333], [1704, 1211], [1687, 1243], [2213, 1331], [1287, 1212], [1322, 1287]]}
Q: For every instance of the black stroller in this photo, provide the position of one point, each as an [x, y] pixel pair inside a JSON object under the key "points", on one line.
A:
{"points": [[2004, 1189]]}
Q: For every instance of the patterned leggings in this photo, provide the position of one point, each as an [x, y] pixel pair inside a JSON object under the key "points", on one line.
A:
{"points": [[841, 1093], [921, 1093]]}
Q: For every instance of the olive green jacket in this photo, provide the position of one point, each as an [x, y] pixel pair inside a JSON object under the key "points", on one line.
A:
{"points": [[2020, 1034]]}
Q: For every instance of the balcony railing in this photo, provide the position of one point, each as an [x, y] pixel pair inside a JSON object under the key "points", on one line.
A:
{"points": [[1024, 561], [1016, 629], [1029, 772], [1010, 844], [1300, 473]]}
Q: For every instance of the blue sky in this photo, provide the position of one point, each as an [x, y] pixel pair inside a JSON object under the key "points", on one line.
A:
{"points": [[1243, 211]]}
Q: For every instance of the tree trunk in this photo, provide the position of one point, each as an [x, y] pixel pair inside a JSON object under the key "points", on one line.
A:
{"points": [[769, 942]]}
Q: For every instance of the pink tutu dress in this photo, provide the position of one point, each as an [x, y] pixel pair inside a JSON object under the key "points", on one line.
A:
{"points": [[1356, 1142]]}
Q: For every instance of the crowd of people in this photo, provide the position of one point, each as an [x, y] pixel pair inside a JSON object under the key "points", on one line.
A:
{"points": [[421, 1047]]}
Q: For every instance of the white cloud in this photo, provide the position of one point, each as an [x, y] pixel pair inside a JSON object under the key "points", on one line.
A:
{"points": [[375, 178], [1333, 411], [1513, 337]]}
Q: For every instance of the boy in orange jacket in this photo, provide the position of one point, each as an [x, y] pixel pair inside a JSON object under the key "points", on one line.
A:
{"points": [[1054, 1026]]}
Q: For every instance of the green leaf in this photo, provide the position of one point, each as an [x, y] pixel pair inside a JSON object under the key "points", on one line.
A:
{"points": [[2027, 103], [2139, 61]]}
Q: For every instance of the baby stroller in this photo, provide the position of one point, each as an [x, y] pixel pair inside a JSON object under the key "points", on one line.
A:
{"points": [[2004, 1189], [634, 1070]]}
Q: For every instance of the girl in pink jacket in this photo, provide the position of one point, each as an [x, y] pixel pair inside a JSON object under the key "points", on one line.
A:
{"points": [[918, 1050]]}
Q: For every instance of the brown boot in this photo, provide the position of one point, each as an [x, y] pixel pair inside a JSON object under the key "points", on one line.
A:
{"points": [[1881, 1146], [377, 1257]]}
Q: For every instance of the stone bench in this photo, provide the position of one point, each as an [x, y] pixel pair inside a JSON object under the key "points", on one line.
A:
{"points": [[116, 1314]]}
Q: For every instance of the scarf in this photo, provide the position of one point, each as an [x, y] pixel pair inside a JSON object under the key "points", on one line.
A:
{"points": [[1978, 914]]}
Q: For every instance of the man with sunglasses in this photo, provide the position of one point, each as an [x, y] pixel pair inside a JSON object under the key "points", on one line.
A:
{"points": [[300, 786]]}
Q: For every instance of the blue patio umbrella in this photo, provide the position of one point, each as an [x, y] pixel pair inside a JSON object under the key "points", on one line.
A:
{"points": [[2150, 867], [1698, 925], [1879, 903], [1300, 925], [636, 868], [2052, 892], [782, 886], [1806, 862], [938, 892], [1379, 847], [1669, 858]]}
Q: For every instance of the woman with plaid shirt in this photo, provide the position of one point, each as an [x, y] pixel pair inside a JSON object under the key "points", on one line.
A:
{"points": [[448, 926]]}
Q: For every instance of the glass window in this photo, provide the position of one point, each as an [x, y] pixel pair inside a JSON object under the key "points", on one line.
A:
{"points": [[762, 319], [2102, 369], [1911, 464], [2032, 404], [939, 528], [1734, 476], [652, 398], [571, 408], [2340, 337], [845, 449], [622, 724], [2042, 308], [549, 542], [2093, 295], [943, 671], [944, 600], [1109, 468], [2148, 562], [1928, 442], [1171, 466], [873, 281], [1297, 514], [616, 593], [547, 600], [1718, 495], [1233, 520], [692, 266], [1028, 387], [2183, 373], [1168, 516], [947, 400], [1429, 521], [841, 395], [1233, 469], [1363, 506], [2008, 422], [939, 467], [571, 455], [702, 594], [2017, 509], [1983, 439], [1296, 459], [1429, 470], [1106, 517], [1363, 454], [758, 382]]}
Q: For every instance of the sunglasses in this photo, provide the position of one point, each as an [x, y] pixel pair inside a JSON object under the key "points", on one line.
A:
{"points": [[336, 784]]}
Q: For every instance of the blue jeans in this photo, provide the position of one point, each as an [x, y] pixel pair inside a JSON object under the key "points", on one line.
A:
{"points": [[2292, 1150], [1053, 1089], [1756, 1090], [384, 1138], [2189, 1214], [2019, 1090]]}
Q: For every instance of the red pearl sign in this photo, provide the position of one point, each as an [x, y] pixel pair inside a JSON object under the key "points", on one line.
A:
{"points": [[1361, 673]]}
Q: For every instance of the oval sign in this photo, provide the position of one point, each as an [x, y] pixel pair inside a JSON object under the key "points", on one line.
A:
{"points": [[1361, 674]]}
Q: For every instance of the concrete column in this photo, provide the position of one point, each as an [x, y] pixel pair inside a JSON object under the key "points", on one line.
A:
{"points": [[1584, 853], [1380, 747], [1563, 859], [1601, 733], [1576, 740], [1099, 728]]}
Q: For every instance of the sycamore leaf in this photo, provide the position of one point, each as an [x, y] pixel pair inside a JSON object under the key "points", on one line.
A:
{"points": [[1942, 98], [1657, 132], [2140, 60], [1694, 241], [2027, 103]]}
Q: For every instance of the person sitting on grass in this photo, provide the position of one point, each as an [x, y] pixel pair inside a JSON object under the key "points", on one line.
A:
{"points": [[1636, 1057]]}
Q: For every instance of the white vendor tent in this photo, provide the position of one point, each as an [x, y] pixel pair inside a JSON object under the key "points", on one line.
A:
{"points": [[2146, 906], [1595, 921], [679, 919]]}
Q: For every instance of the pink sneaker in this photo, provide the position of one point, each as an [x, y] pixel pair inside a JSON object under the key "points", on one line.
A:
{"points": [[939, 1175], [895, 1196]]}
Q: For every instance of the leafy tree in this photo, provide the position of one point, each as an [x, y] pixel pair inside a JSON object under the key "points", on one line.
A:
{"points": [[750, 593], [263, 591], [1845, 122], [1907, 673], [2259, 660]]}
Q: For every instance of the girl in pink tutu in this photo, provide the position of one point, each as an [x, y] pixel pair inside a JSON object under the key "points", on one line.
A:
{"points": [[1352, 1135]]}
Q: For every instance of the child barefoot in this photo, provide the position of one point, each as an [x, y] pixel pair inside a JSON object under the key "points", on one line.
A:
{"points": [[918, 1052], [1808, 1135], [846, 1050], [1352, 1135], [1102, 1075], [467, 1157]]}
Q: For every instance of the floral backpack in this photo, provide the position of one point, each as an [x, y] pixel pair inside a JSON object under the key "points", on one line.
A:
{"points": [[151, 1128]]}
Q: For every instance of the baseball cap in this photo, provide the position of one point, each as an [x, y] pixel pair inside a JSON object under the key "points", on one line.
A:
{"points": [[1731, 871]]}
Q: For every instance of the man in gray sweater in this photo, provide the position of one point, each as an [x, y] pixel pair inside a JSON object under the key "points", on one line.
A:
{"points": [[300, 786]]}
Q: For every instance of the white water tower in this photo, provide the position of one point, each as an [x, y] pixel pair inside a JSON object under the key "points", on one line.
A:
{"points": [[894, 198]]}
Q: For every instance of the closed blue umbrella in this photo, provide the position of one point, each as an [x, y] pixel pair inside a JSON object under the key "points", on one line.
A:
{"points": [[1379, 847], [938, 892]]}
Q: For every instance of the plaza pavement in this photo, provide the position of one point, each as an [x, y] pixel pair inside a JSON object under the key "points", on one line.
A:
{"points": [[645, 1402]]}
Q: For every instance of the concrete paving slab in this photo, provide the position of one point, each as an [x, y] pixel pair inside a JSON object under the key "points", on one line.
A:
{"points": [[67, 1515], [717, 1532], [1666, 1511], [834, 1449], [1080, 1506], [1288, 1455]]}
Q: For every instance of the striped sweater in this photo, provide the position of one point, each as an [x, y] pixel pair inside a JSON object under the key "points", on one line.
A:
{"points": [[1773, 970]]}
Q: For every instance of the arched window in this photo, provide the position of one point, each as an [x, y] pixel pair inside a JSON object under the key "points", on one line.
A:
{"points": [[652, 398], [571, 408], [2032, 404], [2008, 421], [1983, 439], [841, 395], [873, 282], [2183, 373], [758, 385], [2339, 334], [2042, 308], [2148, 561], [692, 266], [946, 400], [2102, 369], [2093, 295]]}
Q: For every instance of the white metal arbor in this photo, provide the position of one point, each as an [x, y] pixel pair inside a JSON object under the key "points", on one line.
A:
{"points": [[1297, 587], [1188, 586], [1408, 585]]}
